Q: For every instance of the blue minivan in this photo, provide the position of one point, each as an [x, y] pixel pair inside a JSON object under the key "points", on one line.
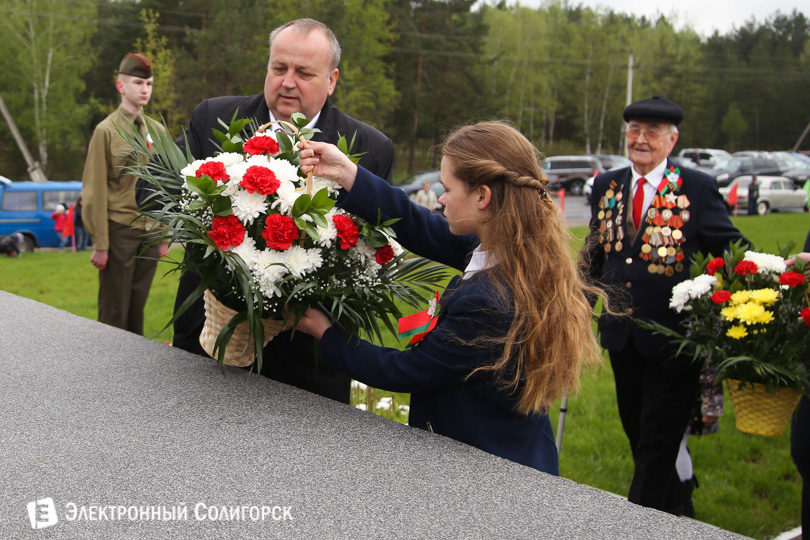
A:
{"points": [[26, 207]]}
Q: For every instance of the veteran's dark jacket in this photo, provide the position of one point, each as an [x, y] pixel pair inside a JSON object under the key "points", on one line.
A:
{"points": [[475, 411], [627, 277]]}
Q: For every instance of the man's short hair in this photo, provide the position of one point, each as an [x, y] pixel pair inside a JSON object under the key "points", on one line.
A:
{"points": [[305, 26]]}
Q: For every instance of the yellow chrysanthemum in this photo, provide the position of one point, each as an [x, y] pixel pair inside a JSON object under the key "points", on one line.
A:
{"points": [[737, 332], [766, 297], [765, 317], [740, 297], [729, 313], [750, 313]]}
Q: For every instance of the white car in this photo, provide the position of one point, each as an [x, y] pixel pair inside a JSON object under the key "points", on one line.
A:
{"points": [[775, 193]]}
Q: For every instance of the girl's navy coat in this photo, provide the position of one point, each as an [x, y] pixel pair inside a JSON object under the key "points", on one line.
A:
{"points": [[476, 411]]}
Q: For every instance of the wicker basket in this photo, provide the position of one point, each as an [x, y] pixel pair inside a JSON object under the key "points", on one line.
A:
{"points": [[759, 412], [239, 350]]}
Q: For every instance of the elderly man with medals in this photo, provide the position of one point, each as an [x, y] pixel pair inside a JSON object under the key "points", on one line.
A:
{"points": [[648, 221]]}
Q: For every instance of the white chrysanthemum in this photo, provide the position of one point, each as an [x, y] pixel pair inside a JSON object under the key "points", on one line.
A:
{"points": [[231, 187], [680, 296], [329, 233], [320, 183], [300, 262], [230, 159], [766, 263], [247, 251], [287, 195], [701, 285], [249, 206], [283, 169], [268, 271], [364, 252]]}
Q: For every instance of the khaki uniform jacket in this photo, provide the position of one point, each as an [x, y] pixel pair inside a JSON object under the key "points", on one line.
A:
{"points": [[108, 193]]}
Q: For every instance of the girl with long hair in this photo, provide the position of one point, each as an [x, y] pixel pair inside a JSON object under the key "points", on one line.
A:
{"points": [[514, 330]]}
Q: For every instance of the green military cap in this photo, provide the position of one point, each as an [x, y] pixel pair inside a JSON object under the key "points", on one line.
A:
{"points": [[137, 65]]}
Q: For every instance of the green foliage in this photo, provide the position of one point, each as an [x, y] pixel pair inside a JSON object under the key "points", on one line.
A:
{"points": [[45, 53], [733, 126], [156, 47]]}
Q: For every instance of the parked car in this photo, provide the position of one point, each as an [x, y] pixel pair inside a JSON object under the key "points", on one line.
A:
{"points": [[799, 175], [571, 172], [26, 207], [613, 161], [775, 193], [414, 183], [741, 165], [704, 157]]}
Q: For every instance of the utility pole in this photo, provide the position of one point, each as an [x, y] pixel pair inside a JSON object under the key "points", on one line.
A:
{"points": [[799, 142], [34, 168]]}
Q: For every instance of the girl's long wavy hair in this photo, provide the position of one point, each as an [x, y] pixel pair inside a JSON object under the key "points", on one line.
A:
{"points": [[550, 339]]}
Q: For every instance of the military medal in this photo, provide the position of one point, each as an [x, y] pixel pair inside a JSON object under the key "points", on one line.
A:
{"points": [[663, 235], [611, 209]]}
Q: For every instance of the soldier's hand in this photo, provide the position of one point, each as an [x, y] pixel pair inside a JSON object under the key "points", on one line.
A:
{"points": [[99, 259]]}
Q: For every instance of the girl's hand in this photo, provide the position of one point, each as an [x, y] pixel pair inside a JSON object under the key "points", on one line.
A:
{"points": [[326, 161], [314, 323]]}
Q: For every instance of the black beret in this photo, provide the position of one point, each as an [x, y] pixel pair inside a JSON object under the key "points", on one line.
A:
{"points": [[137, 65], [654, 108]]}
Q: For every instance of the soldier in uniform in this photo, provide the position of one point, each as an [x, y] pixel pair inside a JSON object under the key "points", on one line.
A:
{"points": [[121, 252], [648, 221]]}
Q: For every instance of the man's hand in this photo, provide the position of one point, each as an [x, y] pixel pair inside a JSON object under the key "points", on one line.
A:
{"points": [[803, 256], [163, 250], [99, 258]]}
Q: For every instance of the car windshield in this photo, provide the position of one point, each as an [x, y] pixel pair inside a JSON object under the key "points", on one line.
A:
{"points": [[721, 165]]}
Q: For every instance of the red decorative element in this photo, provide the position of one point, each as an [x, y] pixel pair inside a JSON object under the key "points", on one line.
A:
{"points": [[214, 170], [347, 231], [260, 179], [384, 254], [715, 265], [721, 296], [638, 202], [791, 279], [227, 231], [805, 314], [280, 232], [746, 267], [261, 145]]}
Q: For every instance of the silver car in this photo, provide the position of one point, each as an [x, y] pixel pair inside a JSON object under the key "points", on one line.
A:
{"points": [[775, 193]]}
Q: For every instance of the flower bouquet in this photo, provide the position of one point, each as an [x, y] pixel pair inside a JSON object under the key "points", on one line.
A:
{"points": [[268, 241], [748, 315]]}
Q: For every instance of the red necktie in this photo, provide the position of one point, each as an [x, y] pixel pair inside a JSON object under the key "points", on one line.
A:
{"points": [[638, 202]]}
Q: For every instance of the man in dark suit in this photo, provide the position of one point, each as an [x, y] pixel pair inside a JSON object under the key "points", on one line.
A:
{"points": [[301, 75], [648, 221]]}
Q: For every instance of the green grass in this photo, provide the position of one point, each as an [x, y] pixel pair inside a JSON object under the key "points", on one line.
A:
{"points": [[748, 484]]}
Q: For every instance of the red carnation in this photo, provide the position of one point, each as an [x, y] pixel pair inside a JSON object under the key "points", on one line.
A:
{"points": [[260, 179], [261, 145], [280, 232], [347, 231], [227, 231], [215, 170], [384, 254], [746, 267], [715, 265], [721, 296], [805, 313], [791, 279]]}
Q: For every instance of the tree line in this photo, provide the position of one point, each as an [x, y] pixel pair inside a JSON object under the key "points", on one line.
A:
{"points": [[412, 68]]}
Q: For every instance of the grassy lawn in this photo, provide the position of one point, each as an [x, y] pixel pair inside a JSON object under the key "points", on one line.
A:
{"points": [[748, 484]]}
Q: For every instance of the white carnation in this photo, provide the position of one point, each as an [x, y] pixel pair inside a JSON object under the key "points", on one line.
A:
{"points": [[249, 206]]}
